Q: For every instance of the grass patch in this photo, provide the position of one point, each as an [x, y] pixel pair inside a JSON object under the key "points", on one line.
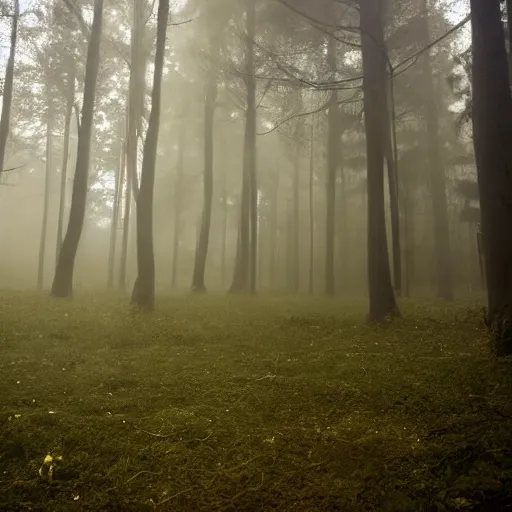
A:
{"points": [[223, 403]]}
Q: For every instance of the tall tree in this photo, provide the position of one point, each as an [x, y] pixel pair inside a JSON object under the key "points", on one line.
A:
{"points": [[63, 280], [70, 103], [333, 141], [136, 90], [143, 296], [311, 208], [8, 82], [198, 283], [250, 142], [116, 207], [128, 189], [391, 164], [382, 298], [178, 205], [244, 278], [298, 136], [492, 132], [46, 199], [437, 171]]}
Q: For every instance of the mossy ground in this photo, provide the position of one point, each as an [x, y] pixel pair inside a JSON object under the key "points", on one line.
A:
{"points": [[229, 403]]}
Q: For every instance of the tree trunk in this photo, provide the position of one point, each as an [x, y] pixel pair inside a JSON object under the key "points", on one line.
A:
{"points": [[224, 228], [46, 201], [492, 133], [311, 209], [274, 231], [382, 299], [198, 283], [119, 178], [332, 168], [126, 229], [143, 296], [244, 279], [342, 227], [294, 253], [178, 206], [7, 95], [63, 280], [70, 104], [250, 147], [392, 168], [136, 92], [509, 38], [437, 175]]}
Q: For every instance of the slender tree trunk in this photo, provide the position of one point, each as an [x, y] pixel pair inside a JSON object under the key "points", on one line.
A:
{"points": [[70, 103], [342, 228], [392, 168], [332, 168], [136, 92], [250, 148], [46, 201], [509, 34], [178, 206], [244, 279], [198, 283], [274, 230], [294, 253], [126, 231], [311, 210], [63, 280], [437, 175], [492, 133], [119, 180], [382, 299], [143, 296], [8, 82], [224, 228]]}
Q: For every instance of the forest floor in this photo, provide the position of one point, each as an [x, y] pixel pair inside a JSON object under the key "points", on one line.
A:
{"points": [[250, 404]]}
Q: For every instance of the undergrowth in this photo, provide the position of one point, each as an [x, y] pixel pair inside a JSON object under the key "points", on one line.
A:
{"points": [[222, 403]]}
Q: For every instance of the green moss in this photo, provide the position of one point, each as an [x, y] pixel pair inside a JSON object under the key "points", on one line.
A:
{"points": [[228, 403]]}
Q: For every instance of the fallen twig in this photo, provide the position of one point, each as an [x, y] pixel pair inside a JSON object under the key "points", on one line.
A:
{"points": [[141, 473], [174, 496], [268, 376]]}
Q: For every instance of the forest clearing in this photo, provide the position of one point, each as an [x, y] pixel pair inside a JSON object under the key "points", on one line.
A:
{"points": [[255, 255], [222, 403]]}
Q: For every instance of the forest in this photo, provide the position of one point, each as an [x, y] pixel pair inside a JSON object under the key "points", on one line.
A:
{"points": [[255, 255]]}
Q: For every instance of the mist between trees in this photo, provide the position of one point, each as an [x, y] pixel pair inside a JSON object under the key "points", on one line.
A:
{"points": [[277, 146]]}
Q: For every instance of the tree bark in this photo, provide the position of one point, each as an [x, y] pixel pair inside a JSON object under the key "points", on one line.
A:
{"points": [[136, 91], [250, 147], [332, 168], [198, 282], [394, 207], [437, 175], [492, 133], [224, 227], [63, 280], [178, 206], [143, 296], [311, 210], [126, 231], [244, 279], [46, 200], [119, 180], [294, 254], [8, 82], [382, 299], [70, 104], [274, 230]]}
